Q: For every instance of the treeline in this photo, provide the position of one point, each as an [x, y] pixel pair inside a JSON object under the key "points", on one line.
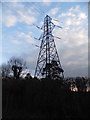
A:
{"points": [[31, 98]]}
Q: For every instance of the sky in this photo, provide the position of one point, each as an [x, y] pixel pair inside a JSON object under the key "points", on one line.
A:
{"points": [[18, 33], [45, 0]]}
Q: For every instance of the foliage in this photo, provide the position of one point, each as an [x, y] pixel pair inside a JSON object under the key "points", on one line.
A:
{"points": [[46, 98], [81, 83], [14, 66], [5, 70]]}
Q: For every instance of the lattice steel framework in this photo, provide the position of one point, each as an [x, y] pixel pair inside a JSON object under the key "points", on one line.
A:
{"points": [[48, 64]]}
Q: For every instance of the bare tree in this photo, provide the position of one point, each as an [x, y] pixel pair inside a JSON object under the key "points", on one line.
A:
{"points": [[14, 66], [5, 70], [17, 65]]}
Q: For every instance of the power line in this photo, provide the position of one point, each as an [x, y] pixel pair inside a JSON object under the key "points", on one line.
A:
{"points": [[57, 37], [35, 38], [38, 11], [43, 12], [36, 45], [37, 26]]}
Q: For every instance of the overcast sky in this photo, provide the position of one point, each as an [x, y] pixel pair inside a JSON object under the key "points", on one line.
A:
{"points": [[18, 33]]}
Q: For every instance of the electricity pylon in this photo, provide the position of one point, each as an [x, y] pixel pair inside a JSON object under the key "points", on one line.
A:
{"points": [[48, 63]]}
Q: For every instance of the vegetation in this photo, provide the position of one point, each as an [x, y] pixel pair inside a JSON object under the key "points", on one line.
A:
{"points": [[31, 98], [14, 67]]}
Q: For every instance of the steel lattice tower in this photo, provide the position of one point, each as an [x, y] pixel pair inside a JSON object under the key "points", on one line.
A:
{"points": [[48, 64]]}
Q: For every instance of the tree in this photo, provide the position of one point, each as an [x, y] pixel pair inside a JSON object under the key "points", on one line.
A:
{"points": [[5, 70], [28, 76], [81, 83], [14, 66], [17, 65]]}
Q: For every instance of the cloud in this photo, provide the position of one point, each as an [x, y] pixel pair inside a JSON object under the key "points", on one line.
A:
{"points": [[82, 16], [10, 20], [26, 17], [31, 59], [46, 2], [73, 47], [71, 12], [27, 37], [14, 5], [68, 14], [74, 17], [17, 14], [54, 11], [75, 60], [13, 0], [17, 42], [0, 12]]}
